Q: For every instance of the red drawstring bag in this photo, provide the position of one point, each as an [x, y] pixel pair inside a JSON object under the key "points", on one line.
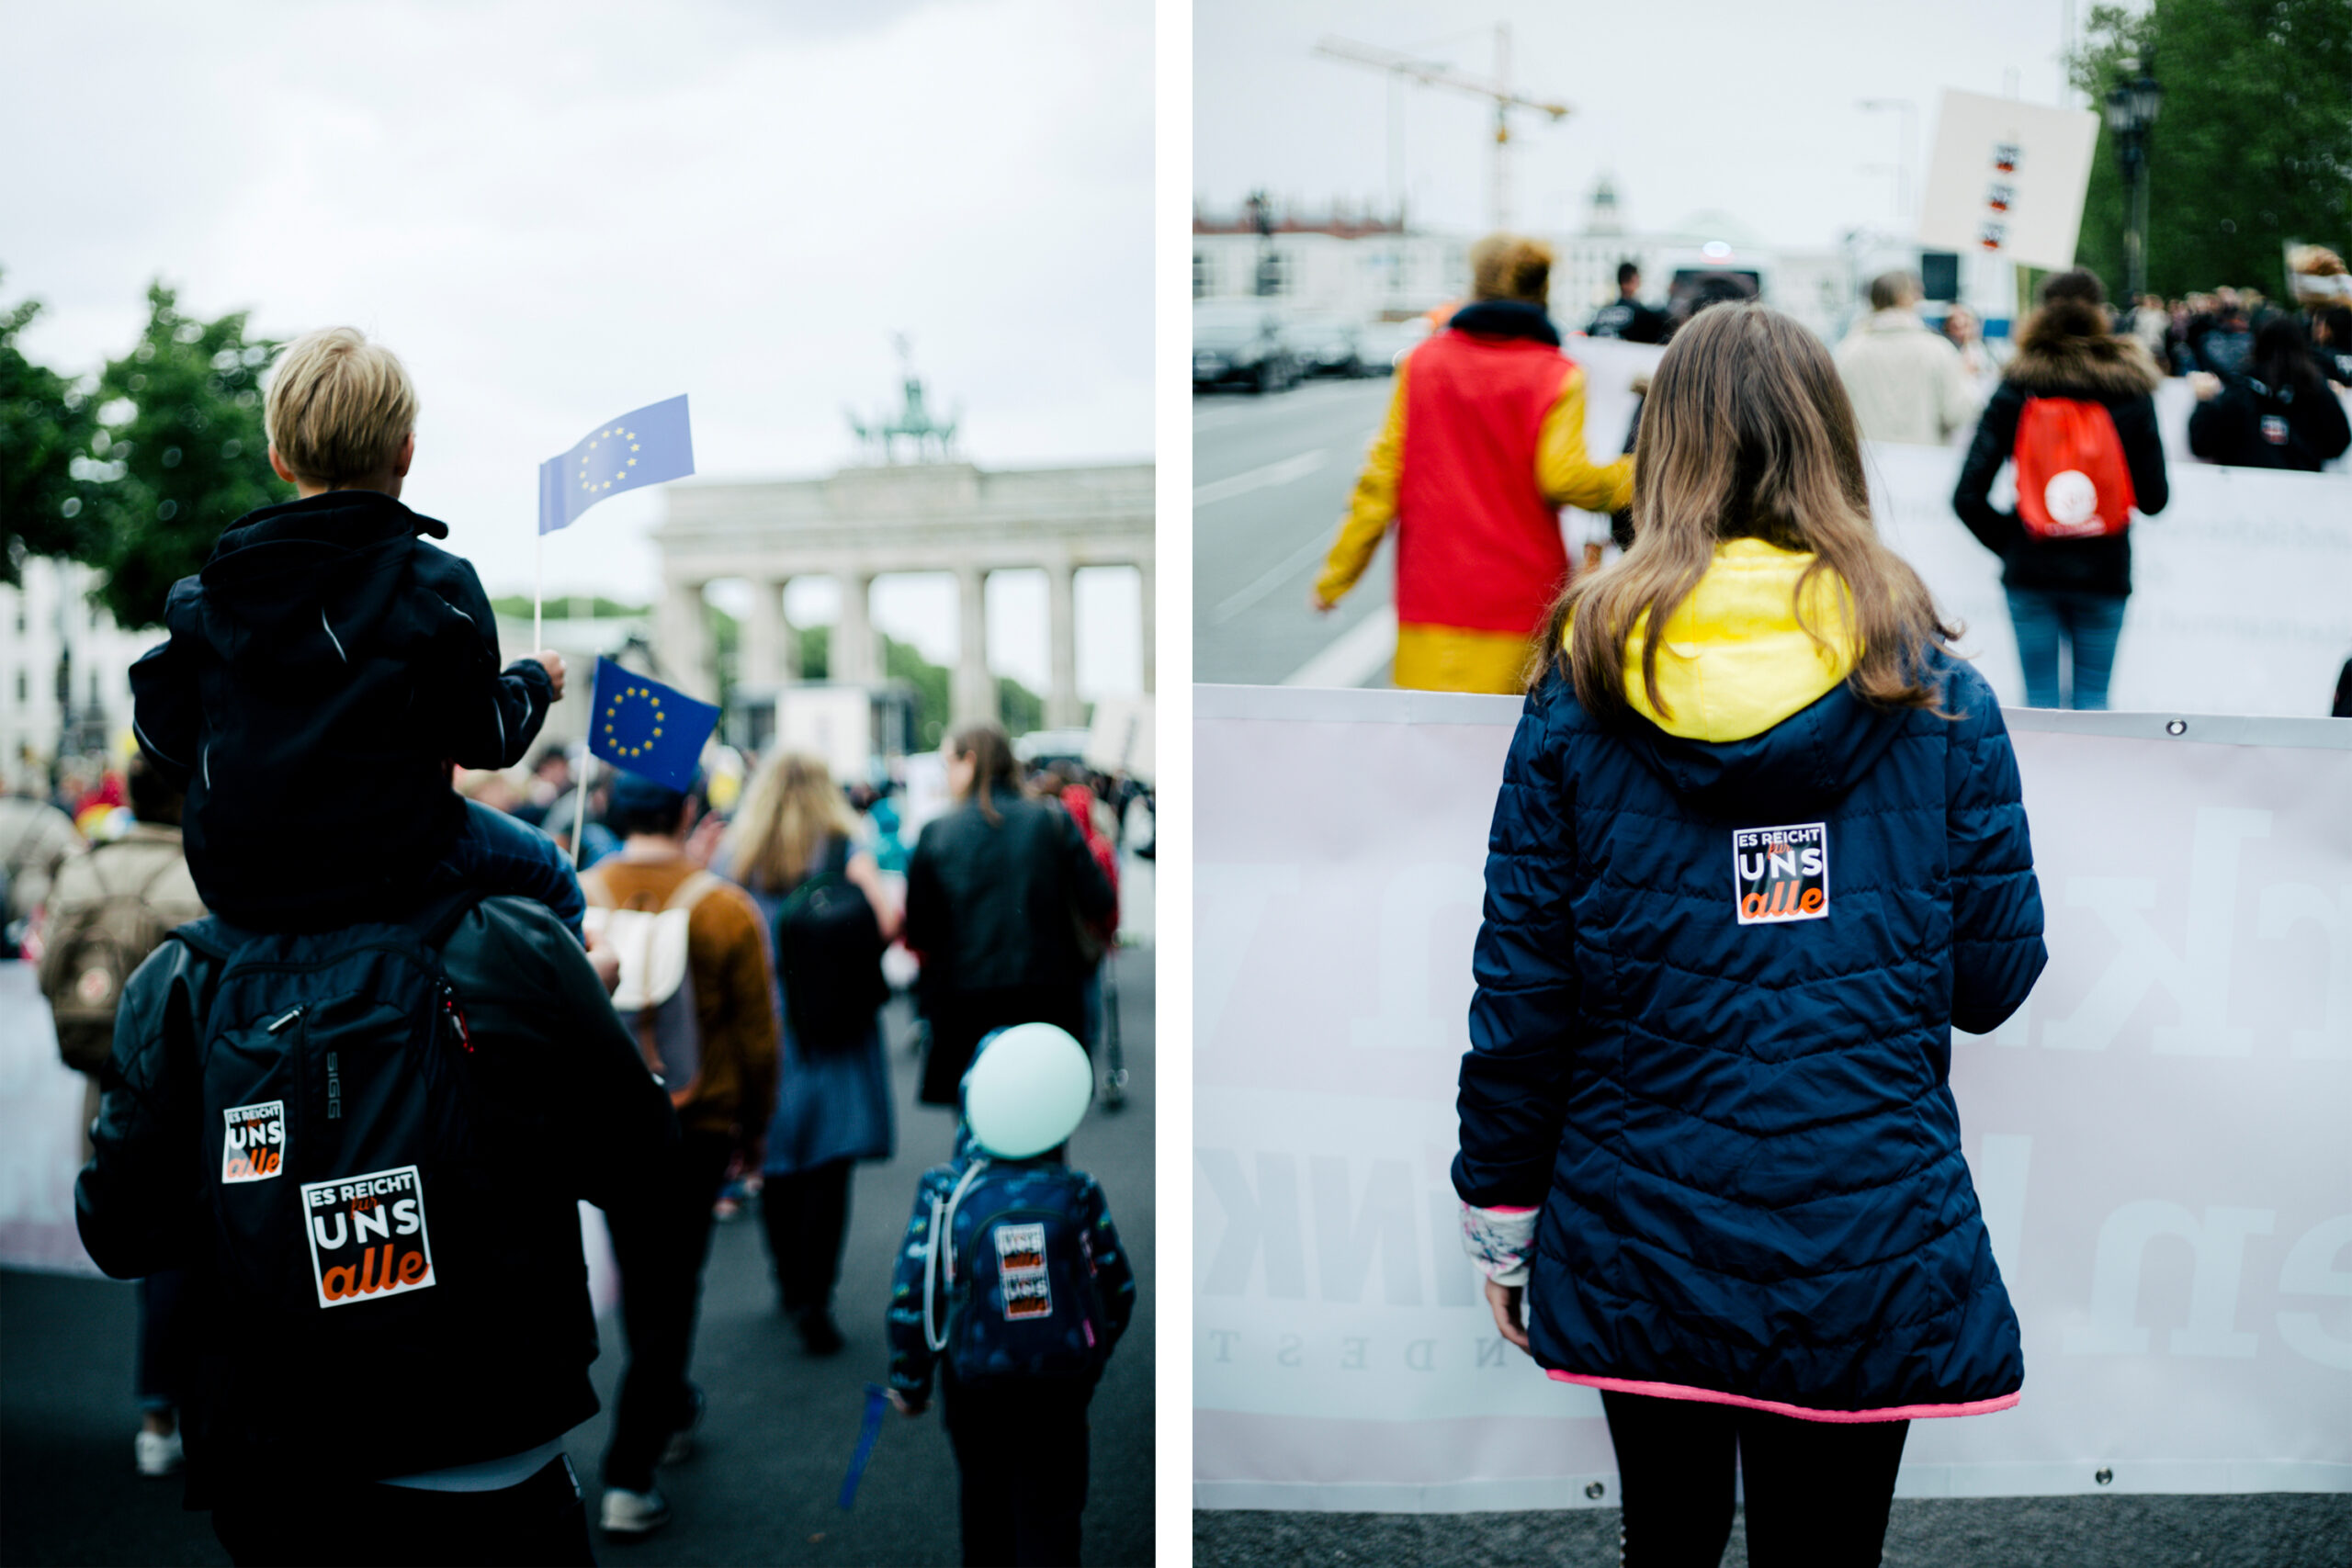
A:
{"points": [[2073, 482]]}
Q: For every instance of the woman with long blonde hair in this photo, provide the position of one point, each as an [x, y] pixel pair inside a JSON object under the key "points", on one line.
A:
{"points": [[1760, 847], [792, 845]]}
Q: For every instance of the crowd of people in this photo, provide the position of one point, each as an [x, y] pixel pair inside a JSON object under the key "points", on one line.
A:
{"points": [[1482, 444], [344, 1102]]}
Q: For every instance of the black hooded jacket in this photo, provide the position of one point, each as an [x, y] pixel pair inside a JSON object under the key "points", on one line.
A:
{"points": [[2066, 351], [323, 670]]}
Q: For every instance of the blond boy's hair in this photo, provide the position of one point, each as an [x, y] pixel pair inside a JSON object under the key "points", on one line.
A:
{"points": [[339, 408], [1511, 266]]}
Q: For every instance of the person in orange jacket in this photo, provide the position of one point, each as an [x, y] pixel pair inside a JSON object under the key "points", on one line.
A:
{"points": [[1483, 444]]}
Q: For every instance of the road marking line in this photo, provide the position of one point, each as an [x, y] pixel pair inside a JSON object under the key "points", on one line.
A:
{"points": [[1273, 577], [1354, 657], [1280, 473]]}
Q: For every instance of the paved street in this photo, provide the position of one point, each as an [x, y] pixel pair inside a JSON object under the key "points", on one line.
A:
{"points": [[780, 1428], [1270, 478]]}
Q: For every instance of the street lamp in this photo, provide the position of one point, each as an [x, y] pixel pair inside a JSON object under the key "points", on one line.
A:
{"points": [[2132, 108]]}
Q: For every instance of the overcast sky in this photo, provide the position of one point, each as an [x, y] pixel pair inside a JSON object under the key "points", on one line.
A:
{"points": [[1746, 107], [556, 213]]}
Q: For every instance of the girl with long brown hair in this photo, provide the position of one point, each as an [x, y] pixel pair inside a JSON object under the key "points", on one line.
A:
{"points": [[795, 836], [1760, 847]]}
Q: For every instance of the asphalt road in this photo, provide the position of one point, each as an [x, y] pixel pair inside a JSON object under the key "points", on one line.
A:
{"points": [[780, 1427], [1271, 479]]}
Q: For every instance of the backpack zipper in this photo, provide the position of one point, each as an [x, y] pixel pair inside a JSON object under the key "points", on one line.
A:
{"points": [[334, 1089]]}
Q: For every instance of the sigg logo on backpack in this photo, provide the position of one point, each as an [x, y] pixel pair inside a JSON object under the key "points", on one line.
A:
{"points": [[1021, 1268], [367, 1236], [254, 1149], [1780, 873]]}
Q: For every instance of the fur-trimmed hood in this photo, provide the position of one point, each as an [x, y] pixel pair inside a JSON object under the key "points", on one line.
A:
{"points": [[2065, 350]]}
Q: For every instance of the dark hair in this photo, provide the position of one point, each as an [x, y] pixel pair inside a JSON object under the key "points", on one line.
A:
{"points": [[2337, 320], [152, 798], [1890, 291], [2281, 358], [640, 806], [2075, 283], [1627, 273], [993, 765]]}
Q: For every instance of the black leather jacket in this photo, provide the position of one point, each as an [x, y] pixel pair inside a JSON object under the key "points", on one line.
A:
{"points": [[565, 1110], [991, 905]]}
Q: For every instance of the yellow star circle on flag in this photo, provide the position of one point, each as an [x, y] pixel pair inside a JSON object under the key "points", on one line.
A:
{"points": [[620, 474], [614, 709]]}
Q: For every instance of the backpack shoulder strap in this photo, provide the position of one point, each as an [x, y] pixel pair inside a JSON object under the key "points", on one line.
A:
{"points": [[433, 921], [207, 936], [693, 890]]}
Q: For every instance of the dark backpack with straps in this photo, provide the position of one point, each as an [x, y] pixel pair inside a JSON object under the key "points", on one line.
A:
{"points": [[1016, 1275], [353, 1223], [829, 951]]}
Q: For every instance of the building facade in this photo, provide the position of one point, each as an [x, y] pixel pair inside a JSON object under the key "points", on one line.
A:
{"points": [[64, 673]]}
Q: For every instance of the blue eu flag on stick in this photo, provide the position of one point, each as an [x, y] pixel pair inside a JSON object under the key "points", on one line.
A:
{"points": [[638, 724], [639, 449]]}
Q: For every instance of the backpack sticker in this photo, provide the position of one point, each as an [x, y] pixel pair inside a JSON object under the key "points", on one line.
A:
{"points": [[254, 1149], [367, 1237], [1780, 873], [1021, 1266], [2274, 430]]}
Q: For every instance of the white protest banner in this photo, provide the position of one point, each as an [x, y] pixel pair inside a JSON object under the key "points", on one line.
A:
{"points": [[2007, 179], [2157, 1138]]}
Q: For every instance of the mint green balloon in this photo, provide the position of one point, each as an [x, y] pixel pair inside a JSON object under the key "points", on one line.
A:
{"points": [[1028, 1091]]}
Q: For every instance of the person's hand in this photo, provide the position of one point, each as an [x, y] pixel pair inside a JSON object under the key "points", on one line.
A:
{"points": [[605, 961], [1320, 605], [1506, 1301], [2205, 384], [703, 842], [908, 1404], [552, 662]]}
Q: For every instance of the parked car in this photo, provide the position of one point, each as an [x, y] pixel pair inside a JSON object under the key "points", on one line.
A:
{"points": [[1239, 343], [1329, 343], [1385, 344]]}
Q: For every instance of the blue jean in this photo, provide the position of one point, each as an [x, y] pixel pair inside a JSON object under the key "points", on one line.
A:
{"points": [[499, 854], [2089, 624]]}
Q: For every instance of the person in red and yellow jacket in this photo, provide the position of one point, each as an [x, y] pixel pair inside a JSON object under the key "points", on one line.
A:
{"points": [[1483, 444]]}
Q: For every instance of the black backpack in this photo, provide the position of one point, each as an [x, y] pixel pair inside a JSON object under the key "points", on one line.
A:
{"points": [[829, 951], [354, 1224]]}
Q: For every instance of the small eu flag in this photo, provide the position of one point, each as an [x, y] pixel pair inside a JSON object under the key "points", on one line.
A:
{"points": [[636, 451], [638, 724]]}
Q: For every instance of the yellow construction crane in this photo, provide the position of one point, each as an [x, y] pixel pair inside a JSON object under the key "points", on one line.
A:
{"points": [[1436, 73]]}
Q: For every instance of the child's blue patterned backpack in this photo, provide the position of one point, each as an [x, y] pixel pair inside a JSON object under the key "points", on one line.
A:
{"points": [[1011, 1268]]}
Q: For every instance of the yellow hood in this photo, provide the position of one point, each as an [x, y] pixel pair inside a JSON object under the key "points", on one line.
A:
{"points": [[1735, 662]]}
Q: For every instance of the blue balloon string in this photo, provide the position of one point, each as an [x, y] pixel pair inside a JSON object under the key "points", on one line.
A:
{"points": [[876, 1400]]}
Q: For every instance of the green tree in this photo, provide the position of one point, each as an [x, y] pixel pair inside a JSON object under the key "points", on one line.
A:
{"points": [[180, 453], [2253, 148], [46, 423]]}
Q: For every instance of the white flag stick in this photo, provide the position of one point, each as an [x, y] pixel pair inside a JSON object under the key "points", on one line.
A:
{"points": [[539, 590]]}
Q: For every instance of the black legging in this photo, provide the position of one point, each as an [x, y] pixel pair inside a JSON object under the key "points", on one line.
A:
{"points": [[1817, 1490], [806, 1214]]}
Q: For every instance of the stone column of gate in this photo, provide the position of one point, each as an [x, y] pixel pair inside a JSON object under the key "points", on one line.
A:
{"points": [[972, 697], [854, 659], [1062, 709], [1144, 570], [760, 664], [682, 643]]}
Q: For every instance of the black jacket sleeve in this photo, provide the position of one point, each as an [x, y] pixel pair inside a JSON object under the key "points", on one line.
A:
{"points": [[2144, 452], [490, 716], [552, 1055], [2212, 427], [137, 1204], [165, 714], [1997, 434], [2325, 429]]}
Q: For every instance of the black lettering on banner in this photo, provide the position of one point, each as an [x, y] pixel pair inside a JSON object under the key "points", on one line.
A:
{"points": [[253, 1148], [367, 1236], [1780, 873]]}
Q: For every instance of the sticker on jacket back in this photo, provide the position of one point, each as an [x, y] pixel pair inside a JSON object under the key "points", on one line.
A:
{"points": [[1021, 1268], [254, 1148], [1780, 873], [367, 1237]]}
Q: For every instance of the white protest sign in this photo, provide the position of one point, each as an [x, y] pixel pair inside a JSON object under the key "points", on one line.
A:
{"points": [[2157, 1138], [2007, 179]]}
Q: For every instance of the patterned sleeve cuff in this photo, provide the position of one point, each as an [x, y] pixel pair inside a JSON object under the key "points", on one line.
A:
{"points": [[1499, 1242]]}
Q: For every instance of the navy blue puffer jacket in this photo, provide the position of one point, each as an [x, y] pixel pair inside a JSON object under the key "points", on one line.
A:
{"points": [[1739, 1134]]}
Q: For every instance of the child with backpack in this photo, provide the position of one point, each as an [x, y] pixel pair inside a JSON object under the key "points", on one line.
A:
{"points": [[1012, 1285], [325, 668], [2075, 415]]}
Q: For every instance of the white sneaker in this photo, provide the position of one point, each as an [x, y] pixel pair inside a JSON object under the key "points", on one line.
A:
{"points": [[159, 1453], [634, 1513]]}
